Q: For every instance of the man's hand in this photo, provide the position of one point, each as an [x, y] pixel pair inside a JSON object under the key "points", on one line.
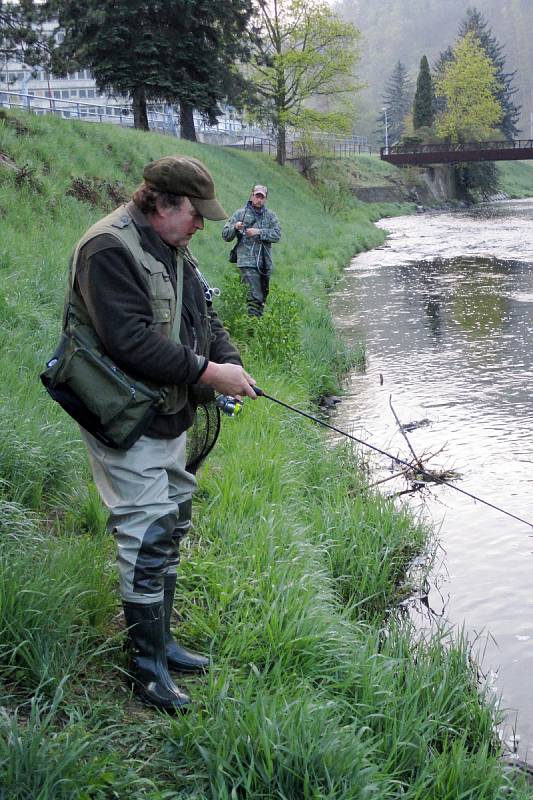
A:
{"points": [[253, 231], [228, 379], [239, 226]]}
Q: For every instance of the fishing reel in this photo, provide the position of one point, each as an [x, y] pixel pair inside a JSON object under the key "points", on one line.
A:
{"points": [[228, 405]]}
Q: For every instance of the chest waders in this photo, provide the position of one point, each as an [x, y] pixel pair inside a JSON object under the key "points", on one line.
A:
{"points": [[148, 491]]}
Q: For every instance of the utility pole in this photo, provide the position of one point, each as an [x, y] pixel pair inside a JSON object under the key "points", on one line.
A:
{"points": [[386, 131]]}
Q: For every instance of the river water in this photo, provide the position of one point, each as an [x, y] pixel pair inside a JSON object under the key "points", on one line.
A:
{"points": [[445, 308]]}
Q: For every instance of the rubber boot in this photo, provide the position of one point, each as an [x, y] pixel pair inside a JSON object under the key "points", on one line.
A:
{"points": [[149, 669], [179, 658]]}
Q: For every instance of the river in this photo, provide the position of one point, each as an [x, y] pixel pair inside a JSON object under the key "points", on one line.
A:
{"points": [[445, 308]]}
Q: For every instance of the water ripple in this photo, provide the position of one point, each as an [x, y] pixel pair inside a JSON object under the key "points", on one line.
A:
{"points": [[445, 310]]}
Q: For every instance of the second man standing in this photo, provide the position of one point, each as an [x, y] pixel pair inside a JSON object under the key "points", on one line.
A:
{"points": [[256, 228]]}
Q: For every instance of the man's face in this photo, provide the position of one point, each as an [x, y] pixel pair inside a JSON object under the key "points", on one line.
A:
{"points": [[258, 199], [177, 226]]}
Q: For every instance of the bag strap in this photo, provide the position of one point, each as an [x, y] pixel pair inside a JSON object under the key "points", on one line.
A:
{"points": [[239, 233], [175, 333]]}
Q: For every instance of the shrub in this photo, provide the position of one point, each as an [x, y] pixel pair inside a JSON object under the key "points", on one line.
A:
{"points": [[274, 336]]}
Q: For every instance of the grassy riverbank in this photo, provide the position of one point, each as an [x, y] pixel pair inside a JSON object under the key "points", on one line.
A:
{"points": [[291, 578], [516, 178]]}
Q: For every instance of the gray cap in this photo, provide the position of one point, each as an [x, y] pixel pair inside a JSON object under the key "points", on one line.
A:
{"points": [[186, 176]]}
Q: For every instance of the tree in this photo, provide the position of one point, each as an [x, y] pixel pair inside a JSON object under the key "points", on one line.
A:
{"points": [[178, 51], [476, 23], [21, 36], [397, 100], [304, 51], [424, 103], [468, 84]]}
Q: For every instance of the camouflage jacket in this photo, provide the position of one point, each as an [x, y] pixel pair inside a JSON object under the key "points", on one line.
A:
{"points": [[254, 252]]}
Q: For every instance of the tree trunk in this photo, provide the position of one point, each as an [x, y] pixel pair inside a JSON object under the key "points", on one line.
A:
{"points": [[140, 117], [187, 122], [281, 152]]}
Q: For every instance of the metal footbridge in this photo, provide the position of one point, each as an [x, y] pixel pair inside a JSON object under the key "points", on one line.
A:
{"points": [[446, 153]]}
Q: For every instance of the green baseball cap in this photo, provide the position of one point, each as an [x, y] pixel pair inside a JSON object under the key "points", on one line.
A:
{"points": [[186, 176]]}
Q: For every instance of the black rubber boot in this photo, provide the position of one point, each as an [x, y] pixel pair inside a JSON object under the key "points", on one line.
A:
{"points": [[179, 658], [149, 669]]}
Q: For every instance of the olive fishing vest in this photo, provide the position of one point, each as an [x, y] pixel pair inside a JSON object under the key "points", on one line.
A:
{"points": [[165, 305]]}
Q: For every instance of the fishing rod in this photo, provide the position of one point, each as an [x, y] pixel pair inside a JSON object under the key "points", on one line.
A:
{"points": [[260, 393]]}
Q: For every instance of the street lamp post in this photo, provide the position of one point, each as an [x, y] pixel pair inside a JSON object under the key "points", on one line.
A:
{"points": [[386, 130]]}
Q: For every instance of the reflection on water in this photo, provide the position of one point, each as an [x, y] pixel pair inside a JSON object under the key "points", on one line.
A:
{"points": [[446, 310]]}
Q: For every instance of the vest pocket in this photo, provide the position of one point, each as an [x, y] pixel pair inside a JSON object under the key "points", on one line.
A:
{"points": [[159, 281], [161, 316]]}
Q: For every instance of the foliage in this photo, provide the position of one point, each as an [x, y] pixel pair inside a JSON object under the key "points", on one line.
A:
{"points": [[49, 754], [278, 330], [290, 578], [516, 178], [396, 100], [19, 32], [304, 51], [424, 102], [52, 628], [171, 50], [475, 179], [404, 29], [333, 187], [468, 83], [476, 23]]}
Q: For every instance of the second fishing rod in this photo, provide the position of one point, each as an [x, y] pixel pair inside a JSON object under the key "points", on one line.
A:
{"points": [[232, 406]]}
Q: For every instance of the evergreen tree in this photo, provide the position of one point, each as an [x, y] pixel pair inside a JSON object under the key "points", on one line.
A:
{"points": [[20, 34], [397, 100], [445, 57], [424, 103], [178, 51], [476, 23]]}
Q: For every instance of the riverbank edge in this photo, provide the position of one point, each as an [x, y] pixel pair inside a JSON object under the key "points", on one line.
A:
{"points": [[284, 582]]}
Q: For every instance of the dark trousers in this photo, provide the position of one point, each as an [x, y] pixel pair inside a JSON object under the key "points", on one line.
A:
{"points": [[258, 286]]}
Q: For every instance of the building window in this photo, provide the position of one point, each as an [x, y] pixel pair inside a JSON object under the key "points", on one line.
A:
{"points": [[90, 92], [83, 93], [57, 93], [65, 93]]}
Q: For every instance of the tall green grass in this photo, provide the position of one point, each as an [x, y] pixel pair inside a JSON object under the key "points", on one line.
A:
{"points": [[516, 178], [292, 577]]}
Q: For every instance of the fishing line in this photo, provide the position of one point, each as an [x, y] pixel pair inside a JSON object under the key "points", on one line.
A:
{"points": [[260, 393]]}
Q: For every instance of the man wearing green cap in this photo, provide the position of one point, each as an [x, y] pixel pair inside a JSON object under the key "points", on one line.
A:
{"points": [[137, 288]]}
